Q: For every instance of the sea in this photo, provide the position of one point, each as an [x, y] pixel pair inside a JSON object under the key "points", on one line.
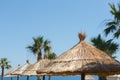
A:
{"points": [[46, 78]]}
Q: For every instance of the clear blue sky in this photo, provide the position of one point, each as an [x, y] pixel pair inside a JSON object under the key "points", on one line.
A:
{"points": [[57, 20]]}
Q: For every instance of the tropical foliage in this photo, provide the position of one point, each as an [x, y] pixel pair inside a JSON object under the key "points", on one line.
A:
{"points": [[4, 64], [113, 26], [52, 56], [38, 46], [107, 46]]}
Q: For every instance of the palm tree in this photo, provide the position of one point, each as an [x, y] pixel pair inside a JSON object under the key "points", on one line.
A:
{"points": [[47, 48], [4, 64], [38, 46], [113, 26], [51, 56], [107, 46]]}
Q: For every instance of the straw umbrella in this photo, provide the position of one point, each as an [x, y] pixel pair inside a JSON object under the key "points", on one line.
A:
{"points": [[31, 70], [83, 58], [19, 71], [9, 74]]}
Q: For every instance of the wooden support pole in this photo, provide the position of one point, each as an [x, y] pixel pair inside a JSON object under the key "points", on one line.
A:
{"points": [[83, 76], [27, 77], [18, 77]]}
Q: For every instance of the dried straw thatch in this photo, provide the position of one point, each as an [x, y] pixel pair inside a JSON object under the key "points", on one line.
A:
{"points": [[83, 59], [31, 70], [19, 70], [9, 74]]}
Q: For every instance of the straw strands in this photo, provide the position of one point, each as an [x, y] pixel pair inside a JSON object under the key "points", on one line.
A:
{"points": [[9, 74], [31, 70], [20, 70], [82, 58]]}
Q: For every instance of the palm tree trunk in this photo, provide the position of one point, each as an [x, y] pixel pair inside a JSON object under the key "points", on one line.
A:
{"points": [[39, 57], [2, 73]]}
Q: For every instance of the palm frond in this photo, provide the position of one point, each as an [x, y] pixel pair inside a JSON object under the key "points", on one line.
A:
{"points": [[8, 66], [98, 42], [113, 9], [52, 56], [110, 29], [111, 23], [4, 63], [117, 33], [32, 49], [114, 25], [39, 45], [38, 42], [47, 46], [107, 46]]}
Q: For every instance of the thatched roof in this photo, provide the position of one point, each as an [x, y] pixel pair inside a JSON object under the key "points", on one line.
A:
{"points": [[9, 74], [82, 58], [31, 70], [19, 70]]}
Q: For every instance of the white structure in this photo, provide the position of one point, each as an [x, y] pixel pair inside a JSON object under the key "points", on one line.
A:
{"points": [[89, 77], [114, 77]]}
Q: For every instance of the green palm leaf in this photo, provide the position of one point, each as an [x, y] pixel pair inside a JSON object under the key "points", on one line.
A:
{"points": [[107, 46], [4, 64], [114, 25]]}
